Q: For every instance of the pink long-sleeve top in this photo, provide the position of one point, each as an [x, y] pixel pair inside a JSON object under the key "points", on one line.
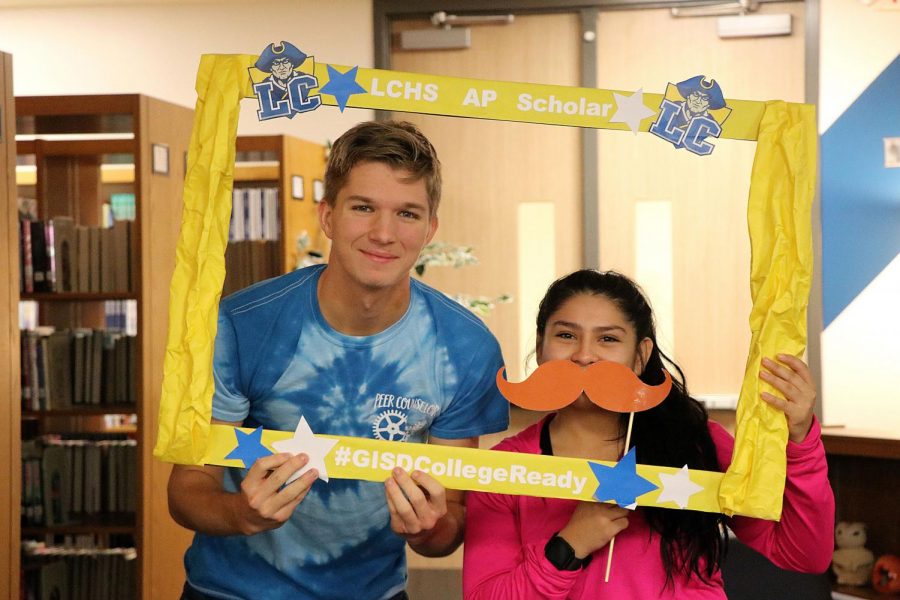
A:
{"points": [[506, 535]]}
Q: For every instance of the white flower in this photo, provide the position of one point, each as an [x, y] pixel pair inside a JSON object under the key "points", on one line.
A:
{"points": [[442, 254], [481, 305]]}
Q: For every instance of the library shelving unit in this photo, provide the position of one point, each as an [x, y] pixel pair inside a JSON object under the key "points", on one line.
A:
{"points": [[74, 154], [10, 466], [295, 169]]}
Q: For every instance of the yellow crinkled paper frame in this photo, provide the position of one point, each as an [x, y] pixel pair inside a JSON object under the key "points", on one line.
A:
{"points": [[778, 214]]}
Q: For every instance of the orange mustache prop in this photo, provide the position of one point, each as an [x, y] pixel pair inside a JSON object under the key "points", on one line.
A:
{"points": [[609, 385]]}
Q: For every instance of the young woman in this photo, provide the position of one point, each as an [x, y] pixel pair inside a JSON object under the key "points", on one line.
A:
{"points": [[525, 547]]}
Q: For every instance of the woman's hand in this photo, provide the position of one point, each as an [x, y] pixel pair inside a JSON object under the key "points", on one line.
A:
{"points": [[592, 525], [793, 379]]}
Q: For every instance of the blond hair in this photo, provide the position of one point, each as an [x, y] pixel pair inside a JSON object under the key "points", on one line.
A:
{"points": [[398, 144]]}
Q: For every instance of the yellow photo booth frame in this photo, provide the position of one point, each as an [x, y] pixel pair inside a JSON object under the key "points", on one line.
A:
{"points": [[782, 188]]}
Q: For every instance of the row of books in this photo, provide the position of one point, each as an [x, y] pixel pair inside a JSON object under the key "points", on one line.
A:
{"points": [[121, 207], [254, 214], [69, 481], [121, 315], [117, 314], [76, 367], [248, 262], [59, 573], [76, 543], [60, 256]]}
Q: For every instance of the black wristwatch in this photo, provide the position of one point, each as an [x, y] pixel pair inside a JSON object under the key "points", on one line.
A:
{"points": [[562, 556]]}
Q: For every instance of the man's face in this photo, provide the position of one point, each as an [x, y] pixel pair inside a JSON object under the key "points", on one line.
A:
{"points": [[281, 68], [698, 102], [379, 223]]}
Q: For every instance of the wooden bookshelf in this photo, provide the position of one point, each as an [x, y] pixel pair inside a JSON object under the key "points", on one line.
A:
{"points": [[277, 161], [868, 593], [88, 411], [78, 150], [105, 523], [10, 461], [841, 441], [864, 469], [78, 296]]}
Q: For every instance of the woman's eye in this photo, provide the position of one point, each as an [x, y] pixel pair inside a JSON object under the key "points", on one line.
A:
{"points": [[608, 339], [565, 335]]}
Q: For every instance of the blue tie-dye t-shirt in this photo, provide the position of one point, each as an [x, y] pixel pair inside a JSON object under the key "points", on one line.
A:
{"points": [[277, 359]]}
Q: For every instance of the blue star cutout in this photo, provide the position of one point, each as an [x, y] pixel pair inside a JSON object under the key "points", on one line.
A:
{"points": [[620, 483], [249, 447], [342, 86]]}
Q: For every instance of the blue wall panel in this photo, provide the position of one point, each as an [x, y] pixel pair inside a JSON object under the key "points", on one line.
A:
{"points": [[860, 197]]}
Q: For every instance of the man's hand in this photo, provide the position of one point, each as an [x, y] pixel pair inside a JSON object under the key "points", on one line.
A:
{"points": [[431, 518], [417, 502], [264, 502], [199, 502]]}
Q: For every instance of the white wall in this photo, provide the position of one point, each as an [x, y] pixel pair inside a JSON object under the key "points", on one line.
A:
{"points": [[860, 355], [861, 347], [857, 42], [154, 49]]}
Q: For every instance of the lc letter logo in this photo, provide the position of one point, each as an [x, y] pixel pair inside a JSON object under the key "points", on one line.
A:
{"points": [[285, 91], [275, 102], [686, 116], [692, 137]]}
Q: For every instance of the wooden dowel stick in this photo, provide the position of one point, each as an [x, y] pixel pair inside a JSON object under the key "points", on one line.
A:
{"points": [[612, 542]]}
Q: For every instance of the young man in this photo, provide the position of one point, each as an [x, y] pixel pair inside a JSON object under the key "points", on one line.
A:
{"points": [[359, 349]]}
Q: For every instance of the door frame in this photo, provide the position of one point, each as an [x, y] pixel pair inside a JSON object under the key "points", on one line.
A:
{"points": [[385, 12]]}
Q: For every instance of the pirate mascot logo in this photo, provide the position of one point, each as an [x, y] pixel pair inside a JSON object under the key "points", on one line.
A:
{"points": [[692, 111], [281, 89]]}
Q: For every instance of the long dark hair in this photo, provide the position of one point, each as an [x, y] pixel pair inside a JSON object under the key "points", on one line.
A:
{"points": [[673, 434]]}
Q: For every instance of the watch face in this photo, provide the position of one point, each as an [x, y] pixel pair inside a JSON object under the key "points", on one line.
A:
{"points": [[561, 555]]}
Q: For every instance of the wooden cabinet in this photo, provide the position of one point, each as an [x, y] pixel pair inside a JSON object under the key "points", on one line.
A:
{"points": [[76, 156], [294, 169], [864, 469]]}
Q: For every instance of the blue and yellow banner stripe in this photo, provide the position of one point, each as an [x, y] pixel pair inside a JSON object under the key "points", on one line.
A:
{"points": [[400, 91]]}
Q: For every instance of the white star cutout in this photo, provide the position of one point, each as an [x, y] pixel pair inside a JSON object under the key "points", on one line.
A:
{"points": [[677, 488], [631, 110], [317, 448]]}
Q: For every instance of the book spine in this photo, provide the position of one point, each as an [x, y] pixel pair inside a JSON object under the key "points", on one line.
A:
{"points": [[27, 258], [50, 264]]}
